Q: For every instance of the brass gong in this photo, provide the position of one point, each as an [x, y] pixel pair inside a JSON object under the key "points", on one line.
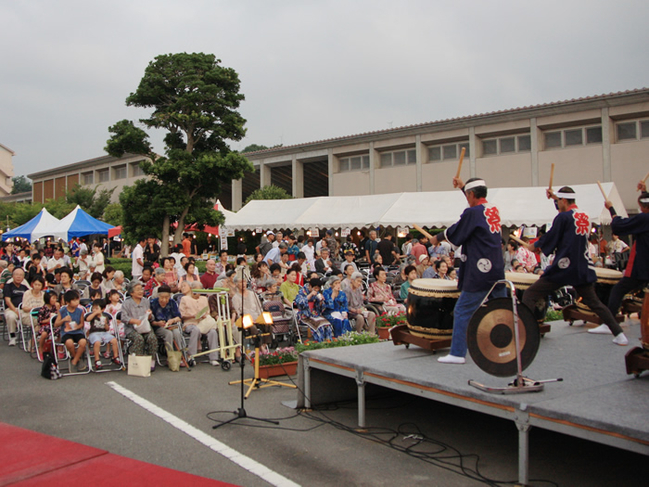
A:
{"points": [[491, 341]]}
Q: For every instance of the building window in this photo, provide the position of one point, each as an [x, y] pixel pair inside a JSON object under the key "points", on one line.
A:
{"points": [[573, 137], [447, 152], [103, 176], [119, 172], [399, 158], [137, 170], [354, 163], [506, 145], [88, 178], [635, 130]]}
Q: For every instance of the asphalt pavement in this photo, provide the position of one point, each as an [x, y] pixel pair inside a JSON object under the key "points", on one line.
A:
{"points": [[410, 440]]}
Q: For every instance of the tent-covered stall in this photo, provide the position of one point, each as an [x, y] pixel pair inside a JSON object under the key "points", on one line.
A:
{"points": [[518, 206], [76, 224], [31, 229]]}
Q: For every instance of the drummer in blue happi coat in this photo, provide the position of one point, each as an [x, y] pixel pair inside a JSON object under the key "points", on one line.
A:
{"points": [[481, 266], [568, 239]]}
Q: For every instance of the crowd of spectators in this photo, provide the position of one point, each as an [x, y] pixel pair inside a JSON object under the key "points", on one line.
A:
{"points": [[324, 281]]}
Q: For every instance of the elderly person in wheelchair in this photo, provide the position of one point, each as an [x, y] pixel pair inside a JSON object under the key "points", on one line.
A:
{"points": [[198, 321]]}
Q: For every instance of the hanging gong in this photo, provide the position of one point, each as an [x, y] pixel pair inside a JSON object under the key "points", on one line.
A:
{"points": [[491, 341]]}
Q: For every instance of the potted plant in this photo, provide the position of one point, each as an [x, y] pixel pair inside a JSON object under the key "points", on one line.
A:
{"points": [[282, 361], [385, 321]]}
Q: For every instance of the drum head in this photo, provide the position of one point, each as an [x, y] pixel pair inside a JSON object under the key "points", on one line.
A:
{"points": [[491, 341]]}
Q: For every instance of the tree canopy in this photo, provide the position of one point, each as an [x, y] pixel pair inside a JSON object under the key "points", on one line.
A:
{"points": [[21, 185], [269, 193], [195, 101]]}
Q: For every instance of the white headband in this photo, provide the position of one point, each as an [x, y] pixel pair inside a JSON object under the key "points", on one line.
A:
{"points": [[474, 184], [567, 196], [644, 200]]}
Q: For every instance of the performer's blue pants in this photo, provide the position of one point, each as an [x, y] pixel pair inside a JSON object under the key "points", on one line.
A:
{"points": [[466, 305]]}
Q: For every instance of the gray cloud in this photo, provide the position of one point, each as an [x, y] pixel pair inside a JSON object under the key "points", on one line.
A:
{"points": [[309, 70]]}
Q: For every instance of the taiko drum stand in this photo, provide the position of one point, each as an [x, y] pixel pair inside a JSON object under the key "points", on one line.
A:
{"points": [[257, 382], [520, 383]]}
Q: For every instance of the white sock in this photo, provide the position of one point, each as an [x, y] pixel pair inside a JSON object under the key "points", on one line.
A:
{"points": [[451, 359], [621, 339], [601, 330]]}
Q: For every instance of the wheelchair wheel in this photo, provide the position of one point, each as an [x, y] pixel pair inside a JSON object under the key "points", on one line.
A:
{"points": [[226, 365]]}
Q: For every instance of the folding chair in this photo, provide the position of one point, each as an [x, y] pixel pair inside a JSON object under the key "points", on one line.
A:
{"points": [[24, 331], [33, 317], [281, 329], [106, 350], [61, 354]]}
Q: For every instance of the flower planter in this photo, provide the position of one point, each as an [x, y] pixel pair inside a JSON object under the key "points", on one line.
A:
{"points": [[287, 368], [383, 332]]}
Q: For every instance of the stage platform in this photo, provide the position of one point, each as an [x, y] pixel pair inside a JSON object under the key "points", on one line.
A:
{"points": [[596, 401], [30, 458]]}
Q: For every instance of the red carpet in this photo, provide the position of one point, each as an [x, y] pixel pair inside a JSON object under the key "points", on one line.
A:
{"points": [[30, 458]]}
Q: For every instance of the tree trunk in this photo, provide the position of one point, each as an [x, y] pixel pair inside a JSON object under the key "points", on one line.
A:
{"points": [[178, 234], [164, 245]]}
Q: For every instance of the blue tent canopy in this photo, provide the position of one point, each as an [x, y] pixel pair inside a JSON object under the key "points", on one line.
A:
{"points": [[76, 224], [43, 220]]}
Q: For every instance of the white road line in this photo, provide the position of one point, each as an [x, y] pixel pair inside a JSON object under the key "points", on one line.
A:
{"points": [[243, 461]]}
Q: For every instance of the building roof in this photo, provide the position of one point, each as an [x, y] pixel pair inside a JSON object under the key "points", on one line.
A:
{"points": [[595, 101], [78, 166], [7, 149]]}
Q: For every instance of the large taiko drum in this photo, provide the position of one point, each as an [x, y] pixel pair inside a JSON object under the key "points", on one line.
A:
{"points": [[606, 279], [522, 281], [430, 308]]}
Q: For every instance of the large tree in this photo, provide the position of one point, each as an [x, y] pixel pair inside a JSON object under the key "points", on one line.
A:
{"points": [[21, 185], [195, 100], [269, 193]]}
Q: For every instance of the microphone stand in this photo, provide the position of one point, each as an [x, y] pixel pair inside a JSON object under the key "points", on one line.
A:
{"points": [[241, 411]]}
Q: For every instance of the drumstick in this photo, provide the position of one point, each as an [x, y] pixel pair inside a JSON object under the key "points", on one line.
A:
{"points": [[644, 180], [518, 240], [602, 190], [459, 165], [552, 176], [422, 231]]}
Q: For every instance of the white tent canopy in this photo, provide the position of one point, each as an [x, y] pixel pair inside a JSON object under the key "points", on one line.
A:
{"points": [[518, 206]]}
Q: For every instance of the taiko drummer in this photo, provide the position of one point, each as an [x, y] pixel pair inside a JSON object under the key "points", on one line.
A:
{"points": [[568, 238], [478, 232], [636, 274]]}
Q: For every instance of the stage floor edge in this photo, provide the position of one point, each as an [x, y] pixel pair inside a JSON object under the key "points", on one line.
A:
{"points": [[596, 401]]}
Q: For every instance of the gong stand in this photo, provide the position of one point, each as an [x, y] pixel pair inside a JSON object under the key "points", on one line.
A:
{"points": [[520, 383]]}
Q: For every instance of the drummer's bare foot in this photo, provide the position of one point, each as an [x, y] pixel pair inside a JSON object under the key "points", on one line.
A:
{"points": [[601, 330], [621, 340], [451, 359]]}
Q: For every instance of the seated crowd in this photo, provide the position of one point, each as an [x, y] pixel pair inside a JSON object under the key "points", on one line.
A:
{"points": [[332, 287]]}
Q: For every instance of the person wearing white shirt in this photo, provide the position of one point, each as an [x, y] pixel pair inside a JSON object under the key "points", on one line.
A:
{"points": [[97, 263], [137, 259], [56, 262]]}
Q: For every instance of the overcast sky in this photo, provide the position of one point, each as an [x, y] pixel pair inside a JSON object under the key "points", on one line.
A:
{"points": [[310, 70]]}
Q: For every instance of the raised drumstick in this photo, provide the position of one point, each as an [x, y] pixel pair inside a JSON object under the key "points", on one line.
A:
{"points": [[459, 165], [422, 231], [552, 176], [644, 180], [516, 239], [602, 190]]}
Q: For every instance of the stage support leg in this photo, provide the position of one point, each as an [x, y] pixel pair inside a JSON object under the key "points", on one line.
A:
{"points": [[523, 426], [307, 382], [360, 383]]}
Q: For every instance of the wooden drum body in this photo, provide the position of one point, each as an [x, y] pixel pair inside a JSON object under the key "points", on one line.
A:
{"points": [[606, 279], [523, 281], [430, 308]]}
